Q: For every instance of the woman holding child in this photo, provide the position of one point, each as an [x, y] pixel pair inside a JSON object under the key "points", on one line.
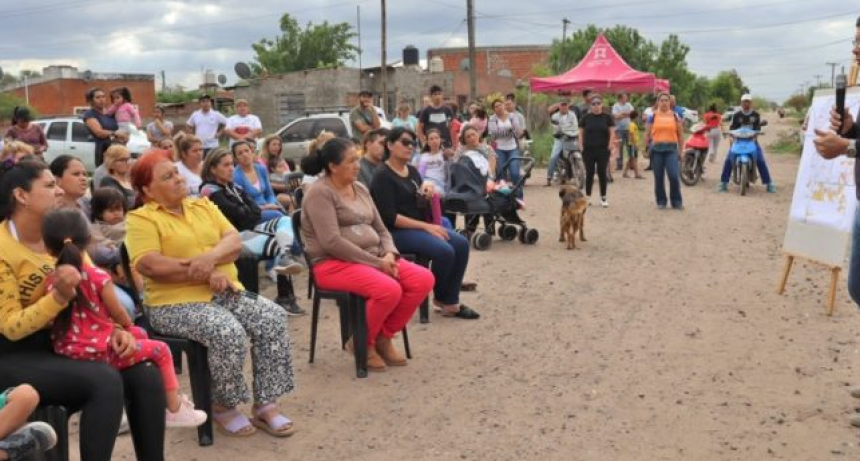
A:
{"points": [[28, 191]]}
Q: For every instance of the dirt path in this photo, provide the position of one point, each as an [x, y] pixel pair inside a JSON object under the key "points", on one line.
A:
{"points": [[661, 338]]}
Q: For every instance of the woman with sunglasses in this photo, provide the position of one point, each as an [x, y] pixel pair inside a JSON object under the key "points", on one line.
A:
{"points": [[401, 196], [665, 133], [597, 134]]}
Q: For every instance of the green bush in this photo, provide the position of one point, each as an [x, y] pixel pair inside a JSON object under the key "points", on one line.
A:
{"points": [[541, 147]]}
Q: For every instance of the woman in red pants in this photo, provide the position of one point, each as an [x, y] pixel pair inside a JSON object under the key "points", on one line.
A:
{"points": [[352, 250]]}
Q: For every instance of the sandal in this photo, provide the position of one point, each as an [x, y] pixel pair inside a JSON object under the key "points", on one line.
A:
{"points": [[276, 426], [233, 424], [465, 312], [468, 286]]}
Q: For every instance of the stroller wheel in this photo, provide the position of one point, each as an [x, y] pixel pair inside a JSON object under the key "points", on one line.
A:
{"points": [[529, 236], [481, 240], [508, 232]]}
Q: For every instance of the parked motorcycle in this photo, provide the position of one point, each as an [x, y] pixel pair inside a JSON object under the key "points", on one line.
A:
{"points": [[570, 167], [744, 150], [695, 152]]}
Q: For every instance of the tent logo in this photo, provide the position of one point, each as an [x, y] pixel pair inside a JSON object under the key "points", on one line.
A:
{"points": [[600, 53]]}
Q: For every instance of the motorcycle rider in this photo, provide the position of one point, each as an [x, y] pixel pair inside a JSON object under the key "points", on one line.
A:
{"points": [[746, 117], [565, 124]]}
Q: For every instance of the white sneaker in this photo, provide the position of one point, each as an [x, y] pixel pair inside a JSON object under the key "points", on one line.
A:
{"points": [[185, 416], [604, 203], [273, 276], [123, 425]]}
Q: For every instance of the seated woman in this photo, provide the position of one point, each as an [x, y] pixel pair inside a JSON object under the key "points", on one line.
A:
{"points": [[278, 169], [189, 161], [71, 176], [401, 195], [253, 178], [28, 191], [117, 158], [353, 251], [269, 239], [185, 250]]}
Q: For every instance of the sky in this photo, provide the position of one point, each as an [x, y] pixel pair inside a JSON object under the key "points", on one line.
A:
{"points": [[775, 45]]}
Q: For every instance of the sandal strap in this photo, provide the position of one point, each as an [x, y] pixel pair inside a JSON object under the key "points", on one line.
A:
{"points": [[276, 422], [237, 421]]}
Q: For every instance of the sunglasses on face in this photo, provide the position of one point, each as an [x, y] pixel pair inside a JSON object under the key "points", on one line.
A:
{"points": [[596, 103], [406, 142]]}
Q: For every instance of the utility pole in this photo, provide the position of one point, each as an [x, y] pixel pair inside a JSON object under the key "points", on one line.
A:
{"points": [[163, 82], [358, 27], [473, 79], [562, 63], [818, 78], [384, 67], [832, 73]]}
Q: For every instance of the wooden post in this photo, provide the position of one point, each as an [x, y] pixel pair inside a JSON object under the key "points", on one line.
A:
{"points": [[789, 261], [834, 282]]}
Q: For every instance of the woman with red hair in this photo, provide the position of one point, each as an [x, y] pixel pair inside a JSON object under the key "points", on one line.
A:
{"points": [[185, 249]]}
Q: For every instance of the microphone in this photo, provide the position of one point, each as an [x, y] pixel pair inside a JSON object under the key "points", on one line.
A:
{"points": [[841, 83]]}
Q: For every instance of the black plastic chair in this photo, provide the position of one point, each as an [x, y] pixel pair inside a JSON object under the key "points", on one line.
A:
{"points": [[58, 418], [351, 309], [424, 309], [196, 353]]}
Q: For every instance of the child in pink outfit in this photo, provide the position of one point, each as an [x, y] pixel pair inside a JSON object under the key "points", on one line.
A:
{"points": [[122, 109], [85, 330]]}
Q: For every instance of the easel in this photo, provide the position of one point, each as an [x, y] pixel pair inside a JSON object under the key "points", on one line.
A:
{"points": [[834, 279]]}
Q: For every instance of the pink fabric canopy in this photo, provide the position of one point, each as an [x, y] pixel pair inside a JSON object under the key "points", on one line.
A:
{"points": [[602, 69]]}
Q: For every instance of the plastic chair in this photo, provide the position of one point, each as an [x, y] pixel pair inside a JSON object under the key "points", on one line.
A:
{"points": [[351, 309], [196, 353]]}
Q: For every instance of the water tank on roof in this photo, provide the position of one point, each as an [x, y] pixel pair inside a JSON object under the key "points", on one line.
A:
{"points": [[209, 77], [410, 56], [437, 65]]}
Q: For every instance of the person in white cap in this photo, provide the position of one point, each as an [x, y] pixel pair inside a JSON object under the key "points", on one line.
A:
{"points": [[747, 117]]}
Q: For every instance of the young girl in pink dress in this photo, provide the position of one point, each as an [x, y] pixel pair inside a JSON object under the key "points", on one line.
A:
{"points": [[122, 109], [87, 329]]}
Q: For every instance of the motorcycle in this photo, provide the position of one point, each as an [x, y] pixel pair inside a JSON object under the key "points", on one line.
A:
{"points": [[570, 165], [695, 152], [744, 150]]}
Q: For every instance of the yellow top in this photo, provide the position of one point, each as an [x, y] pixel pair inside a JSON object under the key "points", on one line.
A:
{"points": [[25, 306], [152, 228], [634, 134]]}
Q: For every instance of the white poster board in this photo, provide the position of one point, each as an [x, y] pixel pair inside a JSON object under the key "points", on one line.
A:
{"points": [[824, 201]]}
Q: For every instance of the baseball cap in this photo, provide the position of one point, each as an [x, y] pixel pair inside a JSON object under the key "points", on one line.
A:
{"points": [[746, 97]]}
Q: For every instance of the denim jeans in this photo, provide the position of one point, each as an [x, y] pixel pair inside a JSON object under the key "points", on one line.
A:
{"points": [[623, 145], [554, 155], [448, 258], [759, 164], [854, 262], [665, 163], [512, 170]]}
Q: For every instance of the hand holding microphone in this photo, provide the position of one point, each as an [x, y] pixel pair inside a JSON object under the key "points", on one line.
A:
{"points": [[840, 121]]}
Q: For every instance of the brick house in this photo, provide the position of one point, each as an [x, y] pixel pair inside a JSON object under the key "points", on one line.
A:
{"points": [[60, 90], [515, 61]]}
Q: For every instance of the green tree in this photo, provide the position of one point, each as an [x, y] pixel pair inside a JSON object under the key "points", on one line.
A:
{"points": [[8, 102], [176, 94], [315, 46], [728, 86], [798, 102]]}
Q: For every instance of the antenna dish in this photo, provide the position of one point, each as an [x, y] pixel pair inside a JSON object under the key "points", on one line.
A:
{"points": [[88, 75], [242, 70], [222, 79]]}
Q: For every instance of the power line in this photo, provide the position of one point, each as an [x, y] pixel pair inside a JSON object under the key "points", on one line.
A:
{"points": [[50, 7]]}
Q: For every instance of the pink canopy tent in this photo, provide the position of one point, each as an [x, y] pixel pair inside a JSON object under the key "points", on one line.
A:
{"points": [[602, 69]]}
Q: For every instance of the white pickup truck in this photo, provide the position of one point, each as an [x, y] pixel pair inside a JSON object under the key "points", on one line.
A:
{"points": [[69, 135]]}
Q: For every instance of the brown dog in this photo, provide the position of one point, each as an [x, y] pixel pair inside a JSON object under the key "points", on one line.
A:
{"points": [[573, 208]]}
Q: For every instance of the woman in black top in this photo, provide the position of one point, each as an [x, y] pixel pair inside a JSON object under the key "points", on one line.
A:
{"points": [[401, 195], [596, 134], [102, 126], [266, 239]]}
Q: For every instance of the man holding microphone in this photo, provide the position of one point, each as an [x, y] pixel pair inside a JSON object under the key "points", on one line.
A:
{"points": [[842, 139]]}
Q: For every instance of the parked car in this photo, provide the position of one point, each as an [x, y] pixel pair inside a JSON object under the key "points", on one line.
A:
{"points": [[730, 112], [298, 134], [69, 135]]}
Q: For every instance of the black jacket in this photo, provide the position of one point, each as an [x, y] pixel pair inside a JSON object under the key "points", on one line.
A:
{"points": [[236, 205]]}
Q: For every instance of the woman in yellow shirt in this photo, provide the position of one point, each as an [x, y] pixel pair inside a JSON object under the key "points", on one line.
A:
{"points": [[185, 249], [665, 133], [28, 191]]}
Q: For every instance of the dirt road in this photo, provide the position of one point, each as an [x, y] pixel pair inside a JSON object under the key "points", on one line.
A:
{"points": [[661, 338]]}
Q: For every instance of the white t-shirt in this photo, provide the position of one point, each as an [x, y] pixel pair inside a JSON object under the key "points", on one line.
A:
{"points": [[479, 160], [566, 123], [191, 179], [243, 125], [622, 123], [503, 133], [206, 126], [432, 168]]}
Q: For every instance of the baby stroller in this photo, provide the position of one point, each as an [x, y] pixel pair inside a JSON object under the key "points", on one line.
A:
{"points": [[468, 196]]}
